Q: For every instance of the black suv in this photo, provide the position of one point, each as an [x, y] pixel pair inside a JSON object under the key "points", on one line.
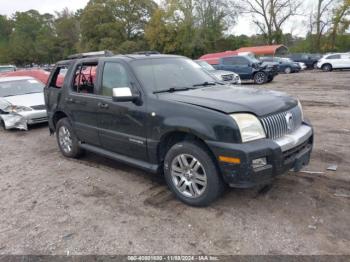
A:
{"points": [[310, 60], [249, 68], [164, 114]]}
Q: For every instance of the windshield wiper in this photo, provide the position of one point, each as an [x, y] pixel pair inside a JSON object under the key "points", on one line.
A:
{"points": [[205, 84], [173, 89]]}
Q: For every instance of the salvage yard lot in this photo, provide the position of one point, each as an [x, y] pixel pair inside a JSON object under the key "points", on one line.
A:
{"points": [[53, 205]]}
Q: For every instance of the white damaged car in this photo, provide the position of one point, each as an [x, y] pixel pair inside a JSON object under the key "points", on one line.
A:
{"points": [[21, 102]]}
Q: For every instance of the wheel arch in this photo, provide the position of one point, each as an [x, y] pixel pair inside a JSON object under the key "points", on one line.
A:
{"points": [[175, 136], [57, 116]]}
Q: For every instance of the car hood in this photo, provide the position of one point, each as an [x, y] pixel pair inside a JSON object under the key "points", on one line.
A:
{"points": [[229, 99], [26, 100]]}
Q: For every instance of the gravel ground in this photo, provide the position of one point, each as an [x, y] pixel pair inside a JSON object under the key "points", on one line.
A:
{"points": [[53, 205]]}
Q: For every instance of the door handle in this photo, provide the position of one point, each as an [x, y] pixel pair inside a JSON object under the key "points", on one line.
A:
{"points": [[103, 105]]}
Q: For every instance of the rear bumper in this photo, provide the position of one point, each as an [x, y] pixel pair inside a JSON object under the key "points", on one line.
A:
{"points": [[290, 152]]}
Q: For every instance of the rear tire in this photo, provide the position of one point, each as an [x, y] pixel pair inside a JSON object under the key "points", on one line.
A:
{"points": [[67, 140], [192, 174], [288, 70], [327, 67], [260, 78]]}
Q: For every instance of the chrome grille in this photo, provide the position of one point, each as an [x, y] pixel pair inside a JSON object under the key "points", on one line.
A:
{"points": [[280, 124]]}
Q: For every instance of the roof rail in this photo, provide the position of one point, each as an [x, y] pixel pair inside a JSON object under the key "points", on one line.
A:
{"points": [[152, 52], [105, 53]]}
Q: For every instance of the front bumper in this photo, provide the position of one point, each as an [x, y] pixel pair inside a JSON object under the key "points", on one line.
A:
{"points": [[272, 72], [290, 152], [21, 120]]}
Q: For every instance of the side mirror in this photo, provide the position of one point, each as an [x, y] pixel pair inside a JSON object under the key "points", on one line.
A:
{"points": [[124, 94]]}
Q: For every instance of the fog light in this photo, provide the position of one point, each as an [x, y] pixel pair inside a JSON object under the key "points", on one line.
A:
{"points": [[259, 162]]}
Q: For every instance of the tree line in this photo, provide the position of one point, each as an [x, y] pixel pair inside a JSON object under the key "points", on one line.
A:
{"points": [[186, 27]]}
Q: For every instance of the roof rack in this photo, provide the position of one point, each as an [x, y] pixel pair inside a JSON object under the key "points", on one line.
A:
{"points": [[152, 52], [105, 53]]}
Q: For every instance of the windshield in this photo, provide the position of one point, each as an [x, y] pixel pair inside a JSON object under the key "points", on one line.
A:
{"points": [[205, 65], [166, 73], [20, 87], [254, 60]]}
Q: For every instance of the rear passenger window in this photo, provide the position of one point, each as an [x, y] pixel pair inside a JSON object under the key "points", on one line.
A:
{"points": [[114, 76], [84, 78], [58, 77]]}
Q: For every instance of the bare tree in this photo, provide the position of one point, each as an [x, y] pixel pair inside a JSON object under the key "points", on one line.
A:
{"points": [[271, 15], [340, 14], [322, 20]]}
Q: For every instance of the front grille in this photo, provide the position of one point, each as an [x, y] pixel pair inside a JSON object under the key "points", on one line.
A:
{"points": [[227, 77], [280, 124], [38, 107]]}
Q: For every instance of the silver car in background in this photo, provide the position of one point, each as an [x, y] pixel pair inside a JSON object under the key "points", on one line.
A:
{"points": [[221, 75], [21, 102]]}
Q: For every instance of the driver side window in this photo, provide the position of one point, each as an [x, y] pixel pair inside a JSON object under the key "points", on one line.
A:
{"points": [[114, 76]]}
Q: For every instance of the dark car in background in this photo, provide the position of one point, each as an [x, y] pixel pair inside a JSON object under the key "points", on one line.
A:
{"points": [[248, 68], [310, 60], [285, 65], [225, 76]]}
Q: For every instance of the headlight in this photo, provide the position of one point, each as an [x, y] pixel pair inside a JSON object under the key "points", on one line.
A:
{"points": [[17, 109], [249, 126], [301, 110]]}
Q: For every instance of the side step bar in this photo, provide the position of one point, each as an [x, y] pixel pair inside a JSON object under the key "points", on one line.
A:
{"points": [[124, 159]]}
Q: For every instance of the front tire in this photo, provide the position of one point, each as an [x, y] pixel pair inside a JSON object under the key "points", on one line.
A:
{"points": [[192, 174], [67, 140], [260, 78], [327, 67]]}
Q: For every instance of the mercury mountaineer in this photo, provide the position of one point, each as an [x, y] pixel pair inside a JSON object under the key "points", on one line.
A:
{"points": [[164, 114]]}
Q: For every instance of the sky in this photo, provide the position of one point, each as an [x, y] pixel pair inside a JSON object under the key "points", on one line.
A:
{"points": [[244, 24]]}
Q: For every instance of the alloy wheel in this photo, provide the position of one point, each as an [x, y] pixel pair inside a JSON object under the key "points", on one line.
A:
{"points": [[288, 70], [65, 139], [260, 78], [188, 176], [327, 68]]}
